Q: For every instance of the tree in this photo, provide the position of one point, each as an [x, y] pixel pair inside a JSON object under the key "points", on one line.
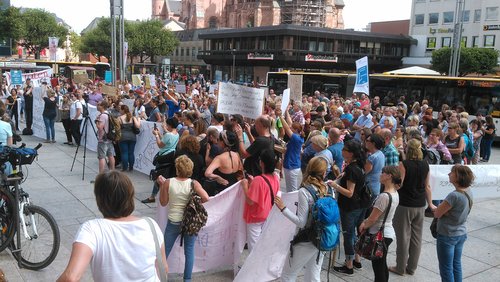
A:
{"points": [[12, 25], [472, 60], [97, 41], [39, 25]]}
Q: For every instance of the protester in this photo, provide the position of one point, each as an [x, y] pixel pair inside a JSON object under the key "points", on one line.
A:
{"points": [[260, 192], [5, 128], [110, 244], [374, 163], [128, 137], [190, 146], [76, 115], [49, 115], [291, 160], [167, 144], [455, 142], [489, 135], [13, 106], [409, 217], [390, 178], [352, 213], [305, 254], [176, 192], [477, 134], [104, 146], [225, 169], [65, 118], [451, 228]]}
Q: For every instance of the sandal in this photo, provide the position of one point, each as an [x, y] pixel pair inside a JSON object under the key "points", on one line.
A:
{"points": [[148, 200]]}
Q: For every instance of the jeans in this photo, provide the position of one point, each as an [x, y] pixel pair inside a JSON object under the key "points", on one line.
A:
{"points": [[127, 154], [449, 252], [49, 128], [67, 129], [380, 265], [172, 231], [485, 149], [350, 221], [75, 130]]}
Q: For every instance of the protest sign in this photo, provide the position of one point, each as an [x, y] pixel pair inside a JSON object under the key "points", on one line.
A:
{"points": [[180, 88], [147, 82], [237, 99], [16, 77], [285, 101], [362, 78], [80, 76], [295, 85], [109, 90], [136, 80], [108, 77]]}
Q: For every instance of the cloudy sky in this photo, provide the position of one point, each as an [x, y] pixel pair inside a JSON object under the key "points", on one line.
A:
{"points": [[79, 13]]}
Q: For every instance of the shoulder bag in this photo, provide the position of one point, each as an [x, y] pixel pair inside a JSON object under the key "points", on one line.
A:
{"points": [[434, 222], [195, 215], [372, 246], [161, 267]]}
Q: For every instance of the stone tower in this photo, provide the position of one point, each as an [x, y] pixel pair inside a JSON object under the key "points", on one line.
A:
{"points": [[159, 10]]}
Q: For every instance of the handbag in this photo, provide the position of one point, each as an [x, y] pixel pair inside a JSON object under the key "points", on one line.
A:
{"points": [[434, 222], [372, 246], [195, 215], [161, 266], [135, 130]]}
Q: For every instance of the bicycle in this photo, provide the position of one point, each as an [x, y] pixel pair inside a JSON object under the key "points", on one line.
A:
{"points": [[37, 242]]}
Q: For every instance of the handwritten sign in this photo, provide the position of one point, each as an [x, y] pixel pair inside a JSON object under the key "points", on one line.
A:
{"points": [[295, 85], [237, 99], [136, 80], [109, 90], [80, 76], [180, 88]]}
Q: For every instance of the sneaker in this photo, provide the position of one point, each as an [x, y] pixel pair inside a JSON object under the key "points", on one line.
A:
{"points": [[148, 200], [343, 270], [357, 265]]}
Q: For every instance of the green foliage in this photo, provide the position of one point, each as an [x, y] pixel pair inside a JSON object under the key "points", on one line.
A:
{"points": [[11, 23], [145, 39], [472, 60], [39, 25], [76, 42]]}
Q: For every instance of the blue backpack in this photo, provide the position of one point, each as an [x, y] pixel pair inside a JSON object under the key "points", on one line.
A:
{"points": [[324, 231], [469, 150]]}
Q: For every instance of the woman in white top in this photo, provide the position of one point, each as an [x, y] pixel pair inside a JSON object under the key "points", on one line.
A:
{"points": [[176, 192], [120, 246], [390, 178]]}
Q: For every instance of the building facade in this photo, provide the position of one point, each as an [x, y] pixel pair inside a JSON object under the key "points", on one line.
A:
{"points": [[432, 25], [247, 54], [198, 14]]}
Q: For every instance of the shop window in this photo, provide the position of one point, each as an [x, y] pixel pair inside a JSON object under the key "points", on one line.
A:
{"points": [[489, 41], [431, 43], [446, 42]]}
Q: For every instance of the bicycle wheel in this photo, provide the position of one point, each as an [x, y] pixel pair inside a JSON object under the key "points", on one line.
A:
{"points": [[8, 213], [39, 251]]}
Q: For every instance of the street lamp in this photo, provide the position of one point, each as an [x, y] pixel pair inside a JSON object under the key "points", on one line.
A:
{"points": [[234, 60]]}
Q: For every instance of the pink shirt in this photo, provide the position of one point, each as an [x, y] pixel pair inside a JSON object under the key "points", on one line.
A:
{"points": [[259, 193]]}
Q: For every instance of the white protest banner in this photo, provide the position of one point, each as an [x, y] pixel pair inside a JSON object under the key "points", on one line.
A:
{"points": [[146, 148], [268, 256], [285, 101], [236, 99], [180, 88], [152, 80], [38, 126], [486, 183], [295, 85], [362, 78], [34, 76], [220, 243]]}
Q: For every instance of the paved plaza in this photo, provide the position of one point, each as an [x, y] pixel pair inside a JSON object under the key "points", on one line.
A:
{"points": [[70, 200]]}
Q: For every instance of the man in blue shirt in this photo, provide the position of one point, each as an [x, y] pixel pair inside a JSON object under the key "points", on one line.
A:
{"points": [[172, 103], [364, 121], [390, 152]]}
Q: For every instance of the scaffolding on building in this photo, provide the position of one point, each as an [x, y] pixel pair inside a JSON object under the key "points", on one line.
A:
{"points": [[303, 12]]}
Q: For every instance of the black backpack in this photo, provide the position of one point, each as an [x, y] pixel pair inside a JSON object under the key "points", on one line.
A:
{"points": [[85, 109]]}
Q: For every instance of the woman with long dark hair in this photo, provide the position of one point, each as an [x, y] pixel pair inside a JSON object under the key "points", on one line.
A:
{"points": [[352, 213], [489, 134], [128, 138]]}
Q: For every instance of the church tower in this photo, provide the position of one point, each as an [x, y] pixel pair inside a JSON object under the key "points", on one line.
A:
{"points": [[159, 10]]}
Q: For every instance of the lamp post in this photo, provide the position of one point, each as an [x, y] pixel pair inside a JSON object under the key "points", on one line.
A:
{"points": [[234, 66], [457, 39]]}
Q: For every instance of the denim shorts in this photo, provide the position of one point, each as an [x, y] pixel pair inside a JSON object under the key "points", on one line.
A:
{"points": [[105, 149]]}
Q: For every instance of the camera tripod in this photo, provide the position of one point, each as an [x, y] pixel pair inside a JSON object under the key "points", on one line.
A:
{"points": [[83, 134]]}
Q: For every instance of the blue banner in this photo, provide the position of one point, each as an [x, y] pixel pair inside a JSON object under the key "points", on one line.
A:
{"points": [[16, 77], [362, 81], [107, 77]]}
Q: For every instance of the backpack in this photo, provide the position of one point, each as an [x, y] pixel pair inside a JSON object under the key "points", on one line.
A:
{"points": [[195, 215], [432, 156], [365, 196], [469, 150], [324, 231], [114, 130]]}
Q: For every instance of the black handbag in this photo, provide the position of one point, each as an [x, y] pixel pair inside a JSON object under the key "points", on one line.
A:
{"points": [[372, 246], [434, 222]]}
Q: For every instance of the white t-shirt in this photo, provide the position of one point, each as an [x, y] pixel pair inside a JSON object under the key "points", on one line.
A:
{"points": [[381, 204], [73, 108], [122, 250]]}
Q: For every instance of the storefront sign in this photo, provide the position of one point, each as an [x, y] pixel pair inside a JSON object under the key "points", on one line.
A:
{"points": [[19, 65], [321, 58], [491, 27], [440, 30], [260, 56]]}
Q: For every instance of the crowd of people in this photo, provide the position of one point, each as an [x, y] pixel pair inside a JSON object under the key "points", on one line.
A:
{"points": [[323, 140]]}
